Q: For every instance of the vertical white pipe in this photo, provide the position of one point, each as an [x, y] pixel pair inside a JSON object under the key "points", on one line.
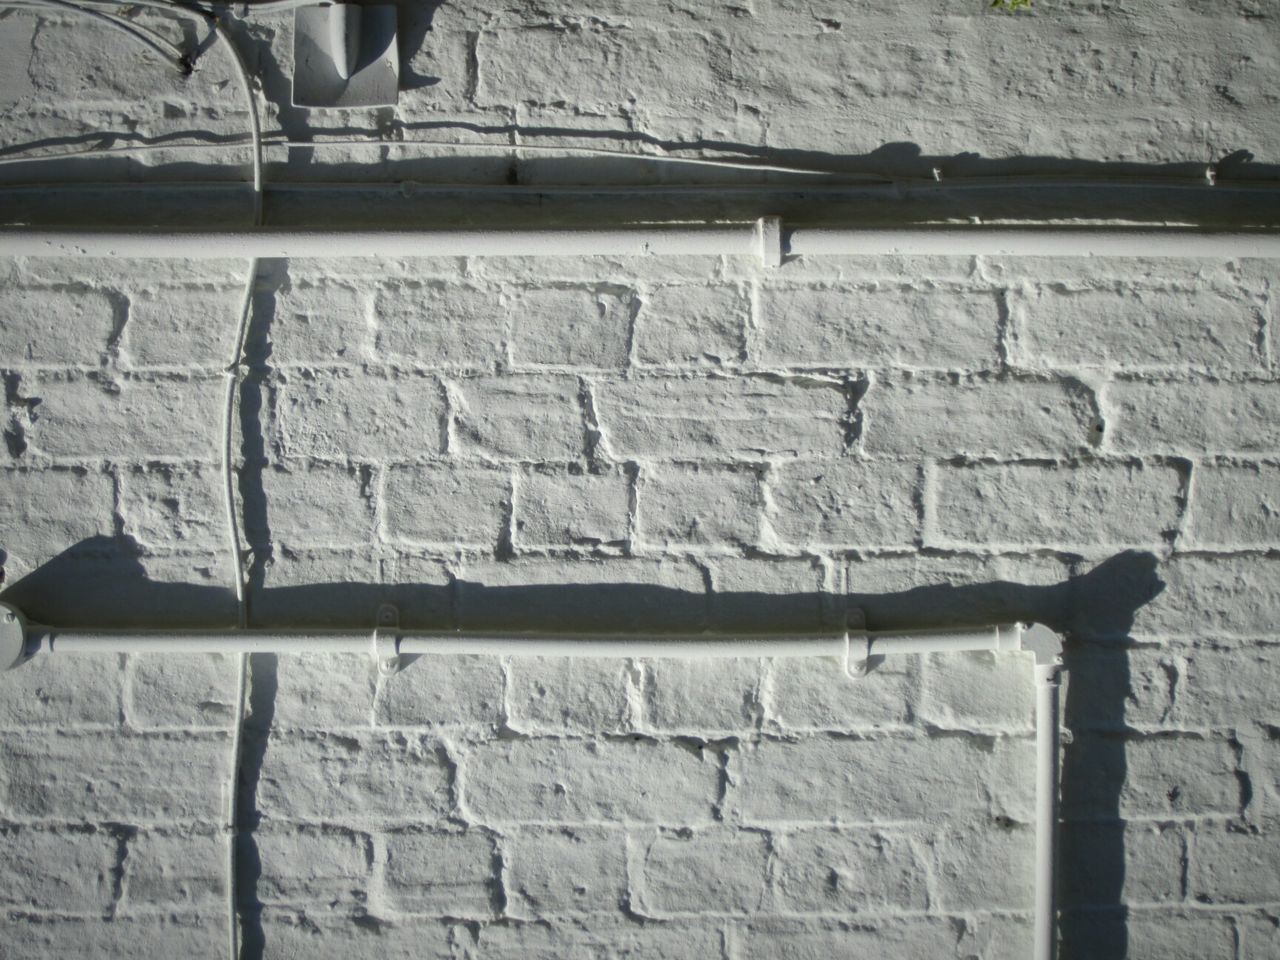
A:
{"points": [[1048, 685]]}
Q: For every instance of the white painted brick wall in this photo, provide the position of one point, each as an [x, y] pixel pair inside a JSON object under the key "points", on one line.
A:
{"points": [[603, 443]]}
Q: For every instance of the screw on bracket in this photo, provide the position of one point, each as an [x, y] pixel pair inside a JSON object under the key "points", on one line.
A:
{"points": [[386, 640]]}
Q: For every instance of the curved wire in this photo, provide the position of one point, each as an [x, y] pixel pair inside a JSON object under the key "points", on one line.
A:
{"points": [[228, 472]]}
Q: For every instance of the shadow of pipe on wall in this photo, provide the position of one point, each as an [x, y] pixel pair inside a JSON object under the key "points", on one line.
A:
{"points": [[103, 582], [895, 184]]}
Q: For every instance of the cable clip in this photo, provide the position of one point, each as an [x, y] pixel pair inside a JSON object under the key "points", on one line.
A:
{"points": [[857, 657], [386, 640]]}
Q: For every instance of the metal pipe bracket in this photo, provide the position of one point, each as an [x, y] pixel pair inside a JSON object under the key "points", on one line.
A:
{"points": [[386, 640], [13, 637]]}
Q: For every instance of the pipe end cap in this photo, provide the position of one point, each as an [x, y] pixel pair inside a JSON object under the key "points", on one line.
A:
{"points": [[13, 637]]}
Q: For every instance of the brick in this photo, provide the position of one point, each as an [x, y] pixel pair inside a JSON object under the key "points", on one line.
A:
{"points": [[899, 69], [844, 504], [342, 416], [103, 583], [1110, 861], [1193, 416], [802, 694], [442, 874], [316, 506], [44, 326], [89, 418], [1083, 507], [39, 525], [746, 418], [836, 871], [1148, 777], [384, 776], [1201, 686], [174, 505], [879, 325], [1233, 864], [978, 691], [1128, 326], [565, 872], [29, 937], [320, 323], [319, 691], [600, 938], [1257, 936], [571, 509], [70, 871], [925, 416], [613, 596], [1150, 934], [553, 781], [421, 586], [1234, 506], [299, 588], [699, 506], [772, 595], [563, 694], [864, 781], [319, 936], [557, 60], [442, 691], [340, 588], [691, 326], [918, 590], [984, 865], [308, 865], [441, 324], [1205, 597], [705, 872], [172, 870], [702, 695], [444, 504], [520, 418], [177, 690], [575, 326], [792, 939], [69, 66], [63, 691], [182, 326], [122, 778]]}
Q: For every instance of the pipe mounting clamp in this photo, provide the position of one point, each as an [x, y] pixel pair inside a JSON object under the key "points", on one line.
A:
{"points": [[13, 637], [386, 640]]}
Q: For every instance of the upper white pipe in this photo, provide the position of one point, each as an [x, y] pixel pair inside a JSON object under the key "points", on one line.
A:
{"points": [[765, 238]]}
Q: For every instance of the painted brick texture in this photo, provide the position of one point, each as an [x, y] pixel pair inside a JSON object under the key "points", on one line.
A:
{"points": [[607, 444]]}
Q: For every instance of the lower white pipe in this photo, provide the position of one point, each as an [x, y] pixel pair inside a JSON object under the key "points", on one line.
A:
{"points": [[1048, 685], [1003, 637], [20, 640], [692, 647], [854, 646], [765, 238]]}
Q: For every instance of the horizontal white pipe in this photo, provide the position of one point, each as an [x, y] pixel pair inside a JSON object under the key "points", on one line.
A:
{"points": [[999, 637], [1064, 241], [695, 646], [1005, 637], [741, 239], [732, 240]]}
